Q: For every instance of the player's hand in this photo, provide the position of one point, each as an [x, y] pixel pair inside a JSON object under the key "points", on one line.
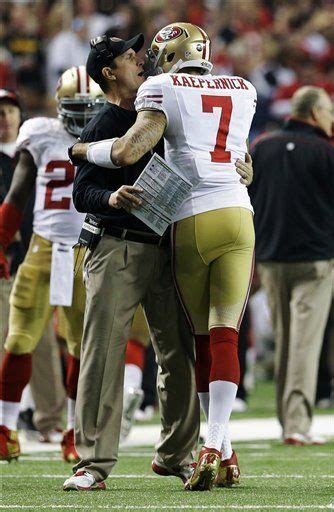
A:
{"points": [[126, 197], [4, 266], [78, 152], [245, 169]]}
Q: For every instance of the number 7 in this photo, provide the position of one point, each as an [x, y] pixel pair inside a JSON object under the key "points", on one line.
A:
{"points": [[219, 154]]}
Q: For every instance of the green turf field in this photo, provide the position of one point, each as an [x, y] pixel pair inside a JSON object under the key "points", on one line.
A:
{"points": [[274, 477]]}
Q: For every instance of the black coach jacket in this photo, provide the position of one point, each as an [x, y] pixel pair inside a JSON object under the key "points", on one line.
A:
{"points": [[293, 194]]}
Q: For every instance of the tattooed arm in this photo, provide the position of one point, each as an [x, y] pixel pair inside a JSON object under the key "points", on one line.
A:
{"points": [[113, 153], [143, 136]]}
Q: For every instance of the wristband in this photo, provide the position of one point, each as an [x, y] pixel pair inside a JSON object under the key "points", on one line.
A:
{"points": [[10, 221], [99, 153]]}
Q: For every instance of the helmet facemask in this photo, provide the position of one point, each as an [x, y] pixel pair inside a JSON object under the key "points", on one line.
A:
{"points": [[76, 112], [79, 99]]}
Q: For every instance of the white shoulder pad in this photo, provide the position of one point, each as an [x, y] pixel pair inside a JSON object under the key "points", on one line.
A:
{"points": [[37, 126], [150, 93]]}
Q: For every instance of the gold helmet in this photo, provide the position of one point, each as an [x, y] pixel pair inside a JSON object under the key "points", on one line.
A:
{"points": [[79, 99], [179, 46]]}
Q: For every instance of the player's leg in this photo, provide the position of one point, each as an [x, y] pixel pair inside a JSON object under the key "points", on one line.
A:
{"points": [[192, 281], [29, 313], [70, 322], [47, 385], [231, 256], [133, 373]]}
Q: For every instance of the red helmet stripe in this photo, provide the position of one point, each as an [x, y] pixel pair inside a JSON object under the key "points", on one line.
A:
{"points": [[78, 80]]}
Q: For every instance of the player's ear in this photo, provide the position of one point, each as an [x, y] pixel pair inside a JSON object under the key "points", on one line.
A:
{"points": [[108, 73]]}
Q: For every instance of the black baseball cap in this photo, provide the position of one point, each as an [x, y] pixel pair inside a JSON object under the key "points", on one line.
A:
{"points": [[10, 96], [105, 49]]}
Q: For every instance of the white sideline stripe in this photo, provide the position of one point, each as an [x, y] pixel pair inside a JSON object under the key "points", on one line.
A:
{"points": [[255, 429], [134, 476], [330, 506]]}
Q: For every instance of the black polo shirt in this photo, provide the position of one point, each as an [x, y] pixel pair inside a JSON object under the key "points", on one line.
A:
{"points": [[293, 195], [93, 185]]}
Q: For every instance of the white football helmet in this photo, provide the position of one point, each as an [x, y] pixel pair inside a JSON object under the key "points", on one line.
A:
{"points": [[179, 46], [79, 99]]}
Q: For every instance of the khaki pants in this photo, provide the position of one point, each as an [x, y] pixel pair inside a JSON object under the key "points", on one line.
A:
{"points": [[299, 296], [120, 275]]}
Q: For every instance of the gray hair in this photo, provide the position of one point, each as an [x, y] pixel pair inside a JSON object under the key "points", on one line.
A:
{"points": [[305, 99]]}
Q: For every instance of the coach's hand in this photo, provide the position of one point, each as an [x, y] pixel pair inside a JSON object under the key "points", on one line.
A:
{"points": [[126, 197], [245, 169], [4, 266]]}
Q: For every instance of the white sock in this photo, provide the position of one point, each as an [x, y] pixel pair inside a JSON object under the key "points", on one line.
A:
{"points": [[204, 399], [226, 447], [9, 413], [70, 413], [27, 401], [222, 396], [133, 376]]}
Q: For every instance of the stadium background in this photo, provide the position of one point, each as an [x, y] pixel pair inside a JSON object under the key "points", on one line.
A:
{"points": [[278, 45]]}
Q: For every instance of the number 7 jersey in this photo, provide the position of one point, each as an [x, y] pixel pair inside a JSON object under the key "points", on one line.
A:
{"points": [[55, 217], [208, 123]]}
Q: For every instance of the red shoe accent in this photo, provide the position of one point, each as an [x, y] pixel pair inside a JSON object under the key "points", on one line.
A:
{"points": [[68, 449], [294, 442], [15, 375], [163, 471], [229, 472], [9, 444]]}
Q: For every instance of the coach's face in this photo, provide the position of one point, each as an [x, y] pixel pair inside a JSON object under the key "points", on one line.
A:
{"points": [[129, 71]]}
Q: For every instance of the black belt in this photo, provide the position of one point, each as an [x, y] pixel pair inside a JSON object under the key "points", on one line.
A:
{"points": [[136, 236]]}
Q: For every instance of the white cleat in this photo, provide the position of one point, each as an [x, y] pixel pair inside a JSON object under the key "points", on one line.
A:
{"points": [[83, 481]]}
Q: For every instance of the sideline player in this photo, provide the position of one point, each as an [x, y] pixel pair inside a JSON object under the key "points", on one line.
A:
{"points": [[205, 120], [46, 275]]}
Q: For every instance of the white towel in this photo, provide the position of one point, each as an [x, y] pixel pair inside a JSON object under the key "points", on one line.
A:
{"points": [[62, 275]]}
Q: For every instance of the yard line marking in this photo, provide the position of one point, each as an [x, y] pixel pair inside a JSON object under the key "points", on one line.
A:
{"points": [[330, 506], [140, 476]]}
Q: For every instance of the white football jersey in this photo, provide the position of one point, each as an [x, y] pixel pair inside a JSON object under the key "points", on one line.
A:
{"points": [[208, 122], [55, 217]]}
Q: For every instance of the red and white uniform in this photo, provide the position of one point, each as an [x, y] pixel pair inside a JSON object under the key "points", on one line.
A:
{"points": [[208, 121], [55, 217]]}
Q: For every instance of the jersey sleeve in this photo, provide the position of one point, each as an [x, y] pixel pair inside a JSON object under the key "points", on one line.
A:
{"points": [[150, 96], [31, 134]]}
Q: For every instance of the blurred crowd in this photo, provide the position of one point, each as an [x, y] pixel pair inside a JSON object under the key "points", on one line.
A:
{"points": [[278, 45]]}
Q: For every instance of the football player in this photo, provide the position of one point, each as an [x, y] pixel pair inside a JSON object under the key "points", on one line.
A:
{"points": [[45, 278], [205, 120]]}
